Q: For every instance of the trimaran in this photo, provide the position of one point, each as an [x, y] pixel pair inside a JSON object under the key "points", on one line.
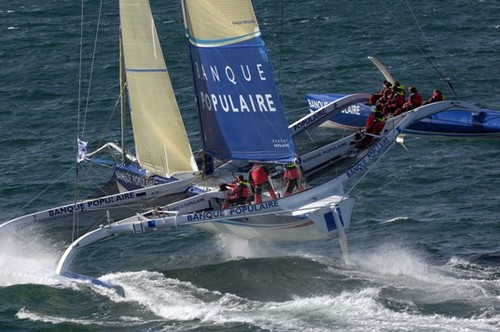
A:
{"points": [[242, 119]]}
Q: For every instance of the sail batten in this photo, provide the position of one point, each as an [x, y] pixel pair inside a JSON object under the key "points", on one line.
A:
{"points": [[146, 70], [157, 124], [241, 112]]}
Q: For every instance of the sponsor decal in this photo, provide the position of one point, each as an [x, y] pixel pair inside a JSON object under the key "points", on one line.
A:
{"points": [[353, 109], [136, 180], [185, 205], [309, 120], [240, 88], [372, 154], [315, 104], [330, 220], [327, 152], [239, 74], [247, 21], [225, 74], [90, 205], [237, 211], [241, 103]]}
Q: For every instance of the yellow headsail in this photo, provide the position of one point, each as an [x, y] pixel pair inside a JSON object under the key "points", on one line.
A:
{"points": [[161, 142]]}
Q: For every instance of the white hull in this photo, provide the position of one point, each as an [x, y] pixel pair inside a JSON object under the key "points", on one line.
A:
{"points": [[140, 199], [288, 229], [281, 220]]}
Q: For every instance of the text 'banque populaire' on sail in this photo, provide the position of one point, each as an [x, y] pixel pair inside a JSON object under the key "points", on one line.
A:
{"points": [[234, 103]]}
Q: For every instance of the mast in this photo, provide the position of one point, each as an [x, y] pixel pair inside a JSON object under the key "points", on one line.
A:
{"points": [[122, 97]]}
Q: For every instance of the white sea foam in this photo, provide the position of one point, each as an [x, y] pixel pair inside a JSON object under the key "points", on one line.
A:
{"points": [[352, 310], [396, 219]]}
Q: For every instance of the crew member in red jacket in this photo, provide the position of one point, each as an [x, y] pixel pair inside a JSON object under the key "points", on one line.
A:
{"points": [[413, 102], [375, 123], [384, 93], [397, 100], [292, 176], [259, 180], [239, 192], [436, 96]]}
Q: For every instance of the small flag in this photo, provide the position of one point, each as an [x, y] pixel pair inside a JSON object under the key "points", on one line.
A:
{"points": [[82, 151]]}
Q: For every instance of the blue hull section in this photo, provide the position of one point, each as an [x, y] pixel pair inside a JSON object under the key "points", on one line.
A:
{"points": [[132, 177], [94, 281], [452, 123]]}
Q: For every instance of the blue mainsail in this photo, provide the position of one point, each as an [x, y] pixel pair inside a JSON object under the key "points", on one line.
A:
{"points": [[240, 110]]}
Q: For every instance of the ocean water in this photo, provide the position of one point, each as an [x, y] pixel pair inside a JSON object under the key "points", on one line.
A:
{"points": [[425, 234]]}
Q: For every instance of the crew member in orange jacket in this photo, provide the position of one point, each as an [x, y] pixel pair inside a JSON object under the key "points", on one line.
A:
{"points": [[259, 180]]}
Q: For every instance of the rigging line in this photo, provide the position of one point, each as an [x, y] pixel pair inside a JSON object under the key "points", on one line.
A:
{"points": [[423, 33], [92, 67], [77, 192], [77, 165], [282, 29], [105, 129], [77, 176], [439, 71], [80, 73], [41, 193], [370, 167]]}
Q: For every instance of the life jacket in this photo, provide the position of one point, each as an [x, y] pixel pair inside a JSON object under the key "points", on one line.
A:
{"points": [[416, 99], [239, 189], [244, 189], [398, 98], [379, 117], [291, 172]]}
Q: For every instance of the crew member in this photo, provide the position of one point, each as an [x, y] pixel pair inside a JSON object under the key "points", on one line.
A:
{"points": [[292, 176], [374, 125], [436, 96], [413, 102], [397, 99], [382, 95], [259, 179], [238, 192]]}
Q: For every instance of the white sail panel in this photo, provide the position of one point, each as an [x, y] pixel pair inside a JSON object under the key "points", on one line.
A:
{"points": [[220, 22], [161, 141]]}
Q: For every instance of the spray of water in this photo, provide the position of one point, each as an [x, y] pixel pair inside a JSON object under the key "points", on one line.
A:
{"points": [[26, 260], [237, 248]]}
